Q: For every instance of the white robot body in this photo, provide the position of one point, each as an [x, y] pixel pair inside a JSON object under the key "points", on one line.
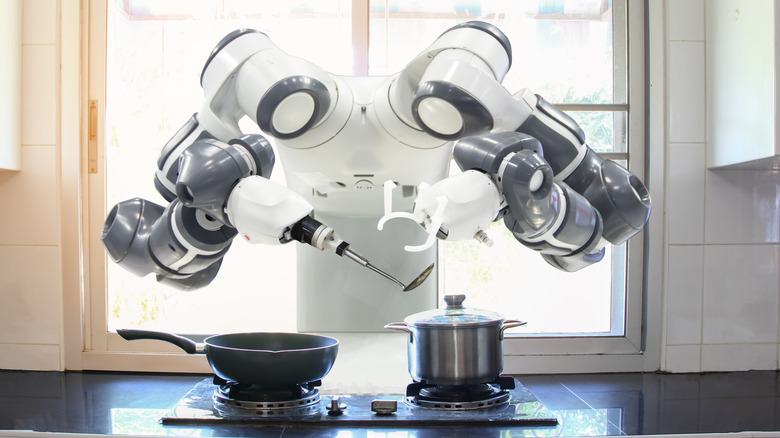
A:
{"points": [[344, 174], [342, 178]]}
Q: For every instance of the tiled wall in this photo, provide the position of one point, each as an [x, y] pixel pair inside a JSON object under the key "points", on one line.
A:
{"points": [[722, 274], [30, 277], [723, 228]]}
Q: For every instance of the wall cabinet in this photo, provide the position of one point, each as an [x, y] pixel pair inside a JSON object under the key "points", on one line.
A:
{"points": [[11, 85], [742, 91]]}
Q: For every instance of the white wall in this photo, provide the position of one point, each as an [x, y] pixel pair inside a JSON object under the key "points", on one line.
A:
{"points": [[30, 266], [723, 228], [722, 278]]}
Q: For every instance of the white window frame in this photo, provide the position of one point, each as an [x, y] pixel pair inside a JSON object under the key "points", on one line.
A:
{"points": [[89, 345]]}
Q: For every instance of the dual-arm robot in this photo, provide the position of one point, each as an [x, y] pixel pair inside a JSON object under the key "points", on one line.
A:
{"points": [[347, 142]]}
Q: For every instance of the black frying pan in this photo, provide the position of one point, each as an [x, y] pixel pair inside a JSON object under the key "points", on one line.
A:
{"points": [[257, 358]]}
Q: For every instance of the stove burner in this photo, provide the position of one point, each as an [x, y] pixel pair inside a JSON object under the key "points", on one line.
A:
{"points": [[458, 393], [460, 397], [265, 400]]}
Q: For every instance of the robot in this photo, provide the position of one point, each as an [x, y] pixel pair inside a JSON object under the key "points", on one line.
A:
{"points": [[354, 149]]}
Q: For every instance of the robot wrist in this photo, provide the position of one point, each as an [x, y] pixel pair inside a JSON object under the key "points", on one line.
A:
{"points": [[209, 169], [561, 137], [620, 197], [487, 152], [177, 244], [195, 280], [573, 263], [264, 211], [574, 230]]}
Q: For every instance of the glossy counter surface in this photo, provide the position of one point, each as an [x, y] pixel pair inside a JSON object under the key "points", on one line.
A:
{"points": [[585, 405]]}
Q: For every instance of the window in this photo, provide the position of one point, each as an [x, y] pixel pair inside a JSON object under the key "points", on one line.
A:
{"points": [[586, 56]]}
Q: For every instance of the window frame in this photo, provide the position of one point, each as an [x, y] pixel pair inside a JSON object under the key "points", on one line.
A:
{"points": [[101, 350]]}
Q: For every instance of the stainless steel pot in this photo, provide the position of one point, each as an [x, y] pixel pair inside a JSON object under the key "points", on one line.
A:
{"points": [[455, 345]]}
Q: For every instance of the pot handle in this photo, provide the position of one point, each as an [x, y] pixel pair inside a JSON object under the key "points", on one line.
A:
{"points": [[511, 323], [400, 326], [186, 344]]}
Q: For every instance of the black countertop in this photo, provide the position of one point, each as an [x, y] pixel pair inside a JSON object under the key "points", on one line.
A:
{"points": [[584, 405]]}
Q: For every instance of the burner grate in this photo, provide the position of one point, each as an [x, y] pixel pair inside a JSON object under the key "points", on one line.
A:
{"points": [[460, 397], [498, 398], [312, 398], [264, 400]]}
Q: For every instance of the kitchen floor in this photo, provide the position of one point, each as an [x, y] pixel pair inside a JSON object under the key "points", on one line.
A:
{"points": [[584, 404]]}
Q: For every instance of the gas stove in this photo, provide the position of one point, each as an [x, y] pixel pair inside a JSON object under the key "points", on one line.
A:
{"points": [[503, 402]]}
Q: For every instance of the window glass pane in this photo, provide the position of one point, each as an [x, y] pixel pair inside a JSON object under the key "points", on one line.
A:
{"points": [[155, 55], [605, 131], [562, 50], [156, 51]]}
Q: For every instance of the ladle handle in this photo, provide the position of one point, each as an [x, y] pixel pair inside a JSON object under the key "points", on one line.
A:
{"points": [[186, 344]]}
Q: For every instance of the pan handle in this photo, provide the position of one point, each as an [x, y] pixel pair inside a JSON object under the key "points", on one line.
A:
{"points": [[186, 344]]}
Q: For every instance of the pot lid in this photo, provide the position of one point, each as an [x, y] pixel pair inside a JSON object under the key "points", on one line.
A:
{"points": [[454, 314]]}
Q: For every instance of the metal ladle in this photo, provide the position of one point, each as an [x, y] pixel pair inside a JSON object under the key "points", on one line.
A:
{"points": [[419, 279], [365, 263]]}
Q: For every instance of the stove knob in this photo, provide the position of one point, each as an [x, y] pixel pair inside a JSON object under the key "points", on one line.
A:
{"points": [[384, 407], [336, 408]]}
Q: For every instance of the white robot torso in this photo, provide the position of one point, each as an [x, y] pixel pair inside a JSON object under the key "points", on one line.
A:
{"points": [[344, 173]]}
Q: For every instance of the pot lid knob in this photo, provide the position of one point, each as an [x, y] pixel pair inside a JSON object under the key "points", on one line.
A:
{"points": [[454, 301]]}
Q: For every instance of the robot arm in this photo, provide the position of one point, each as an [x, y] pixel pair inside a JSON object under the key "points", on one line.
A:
{"points": [[222, 190], [248, 75], [543, 213], [508, 177], [183, 244], [617, 195], [215, 178], [559, 197]]}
